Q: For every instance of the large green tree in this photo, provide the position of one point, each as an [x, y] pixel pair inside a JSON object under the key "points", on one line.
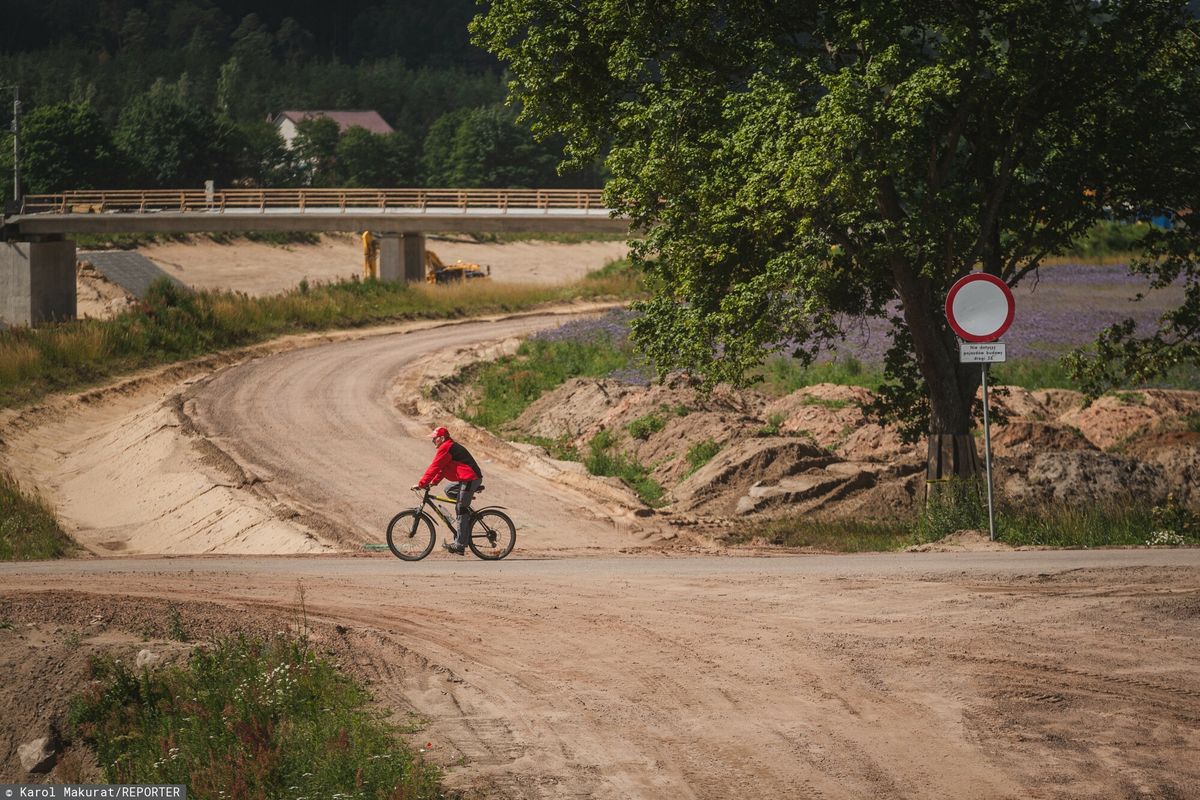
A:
{"points": [[796, 163], [64, 146], [173, 141]]}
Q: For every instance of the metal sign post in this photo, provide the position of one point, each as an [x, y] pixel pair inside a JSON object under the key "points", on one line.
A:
{"points": [[979, 307], [987, 457]]}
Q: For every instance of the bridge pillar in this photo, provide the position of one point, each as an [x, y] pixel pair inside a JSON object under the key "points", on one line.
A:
{"points": [[37, 281], [402, 257]]}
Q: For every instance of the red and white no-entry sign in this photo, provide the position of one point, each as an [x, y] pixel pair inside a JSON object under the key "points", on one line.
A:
{"points": [[979, 307]]}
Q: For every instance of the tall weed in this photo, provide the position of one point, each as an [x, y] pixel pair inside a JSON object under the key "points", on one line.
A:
{"points": [[28, 528], [246, 718]]}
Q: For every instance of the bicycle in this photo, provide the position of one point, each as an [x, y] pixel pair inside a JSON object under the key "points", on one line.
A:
{"points": [[411, 535]]}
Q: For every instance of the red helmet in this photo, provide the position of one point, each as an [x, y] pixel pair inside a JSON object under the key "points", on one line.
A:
{"points": [[439, 432]]}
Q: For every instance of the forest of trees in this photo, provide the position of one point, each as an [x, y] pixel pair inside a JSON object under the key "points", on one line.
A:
{"points": [[158, 93]]}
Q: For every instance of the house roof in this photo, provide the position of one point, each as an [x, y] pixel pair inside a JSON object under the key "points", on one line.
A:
{"points": [[345, 119]]}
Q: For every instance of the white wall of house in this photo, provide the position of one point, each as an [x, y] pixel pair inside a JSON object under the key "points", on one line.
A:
{"points": [[287, 129]]}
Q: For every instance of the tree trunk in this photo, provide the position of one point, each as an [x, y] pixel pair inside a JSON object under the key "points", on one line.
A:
{"points": [[951, 386], [951, 455]]}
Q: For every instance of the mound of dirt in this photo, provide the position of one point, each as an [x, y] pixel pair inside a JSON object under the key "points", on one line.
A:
{"points": [[833, 417], [96, 296], [1177, 453], [816, 451], [965, 541], [1082, 477], [1020, 438]]}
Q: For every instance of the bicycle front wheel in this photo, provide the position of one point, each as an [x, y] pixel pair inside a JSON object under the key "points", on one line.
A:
{"points": [[410, 535], [492, 535]]}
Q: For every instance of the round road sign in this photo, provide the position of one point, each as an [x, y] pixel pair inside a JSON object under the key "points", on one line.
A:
{"points": [[979, 307]]}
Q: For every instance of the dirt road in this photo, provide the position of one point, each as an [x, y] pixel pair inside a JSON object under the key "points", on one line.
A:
{"points": [[1044, 675], [651, 675]]}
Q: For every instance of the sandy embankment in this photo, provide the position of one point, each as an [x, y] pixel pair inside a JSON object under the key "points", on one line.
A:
{"points": [[261, 269]]}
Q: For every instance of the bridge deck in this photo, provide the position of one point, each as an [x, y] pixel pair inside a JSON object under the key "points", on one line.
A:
{"points": [[383, 210]]}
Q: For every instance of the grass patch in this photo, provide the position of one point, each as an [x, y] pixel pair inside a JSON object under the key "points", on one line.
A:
{"points": [[782, 375], [1031, 374], [28, 528], [1036, 373], [961, 505], [603, 459], [508, 386], [174, 325], [1076, 526], [700, 454], [833, 535], [1107, 240], [825, 402], [246, 719]]}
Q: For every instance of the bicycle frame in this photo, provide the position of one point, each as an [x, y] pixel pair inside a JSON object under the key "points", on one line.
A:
{"points": [[428, 498]]}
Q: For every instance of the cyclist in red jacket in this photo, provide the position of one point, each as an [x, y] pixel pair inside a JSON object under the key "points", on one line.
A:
{"points": [[454, 463]]}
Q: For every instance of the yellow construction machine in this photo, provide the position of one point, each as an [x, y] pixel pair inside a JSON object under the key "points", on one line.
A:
{"points": [[437, 271]]}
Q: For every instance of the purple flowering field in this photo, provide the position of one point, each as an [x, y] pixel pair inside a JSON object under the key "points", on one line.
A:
{"points": [[1061, 308]]}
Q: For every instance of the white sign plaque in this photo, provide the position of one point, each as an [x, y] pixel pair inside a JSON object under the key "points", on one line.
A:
{"points": [[979, 307], [981, 353]]}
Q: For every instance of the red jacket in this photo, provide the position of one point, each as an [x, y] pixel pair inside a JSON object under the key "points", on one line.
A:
{"points": [[452, 462]]}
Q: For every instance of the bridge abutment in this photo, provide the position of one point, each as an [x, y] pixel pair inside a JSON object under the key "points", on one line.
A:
{"points": [[37, 281], [402, 257]]}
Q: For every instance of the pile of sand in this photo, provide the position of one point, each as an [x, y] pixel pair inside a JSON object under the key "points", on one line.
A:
{"points": [[817, 451]]}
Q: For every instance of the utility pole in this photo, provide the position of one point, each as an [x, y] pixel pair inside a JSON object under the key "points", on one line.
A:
{"points": [[16, 132]]}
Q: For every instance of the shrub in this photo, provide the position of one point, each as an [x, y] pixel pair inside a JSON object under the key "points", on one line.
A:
{"points": [[645, 427], [773, 426]]}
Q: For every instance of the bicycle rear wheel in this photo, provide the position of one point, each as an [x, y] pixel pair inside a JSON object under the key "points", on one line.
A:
{"points": [[492, 535], [410, 535]]}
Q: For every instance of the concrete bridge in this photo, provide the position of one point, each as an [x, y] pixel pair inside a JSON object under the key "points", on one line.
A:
{"points": [[37, 255]]}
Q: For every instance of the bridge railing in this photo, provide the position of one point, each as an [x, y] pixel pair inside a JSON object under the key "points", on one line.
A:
{"points": [[137, 201]]}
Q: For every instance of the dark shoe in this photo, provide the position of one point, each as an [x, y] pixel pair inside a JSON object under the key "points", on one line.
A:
{"points": [[453, 548]]}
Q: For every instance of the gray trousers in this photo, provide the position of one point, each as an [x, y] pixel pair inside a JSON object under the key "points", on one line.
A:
{"points": [[463, 493]]}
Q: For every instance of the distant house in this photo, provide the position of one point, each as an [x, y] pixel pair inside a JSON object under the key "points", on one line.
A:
{"points": [[285, 122]]}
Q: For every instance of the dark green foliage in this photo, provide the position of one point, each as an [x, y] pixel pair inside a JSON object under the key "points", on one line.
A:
{"points": [[486, 147], [372, 160], [230, 65], [1107, 239], [315, 148], [65, 146], [791, 162], [172, 141], [246, 718]]}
